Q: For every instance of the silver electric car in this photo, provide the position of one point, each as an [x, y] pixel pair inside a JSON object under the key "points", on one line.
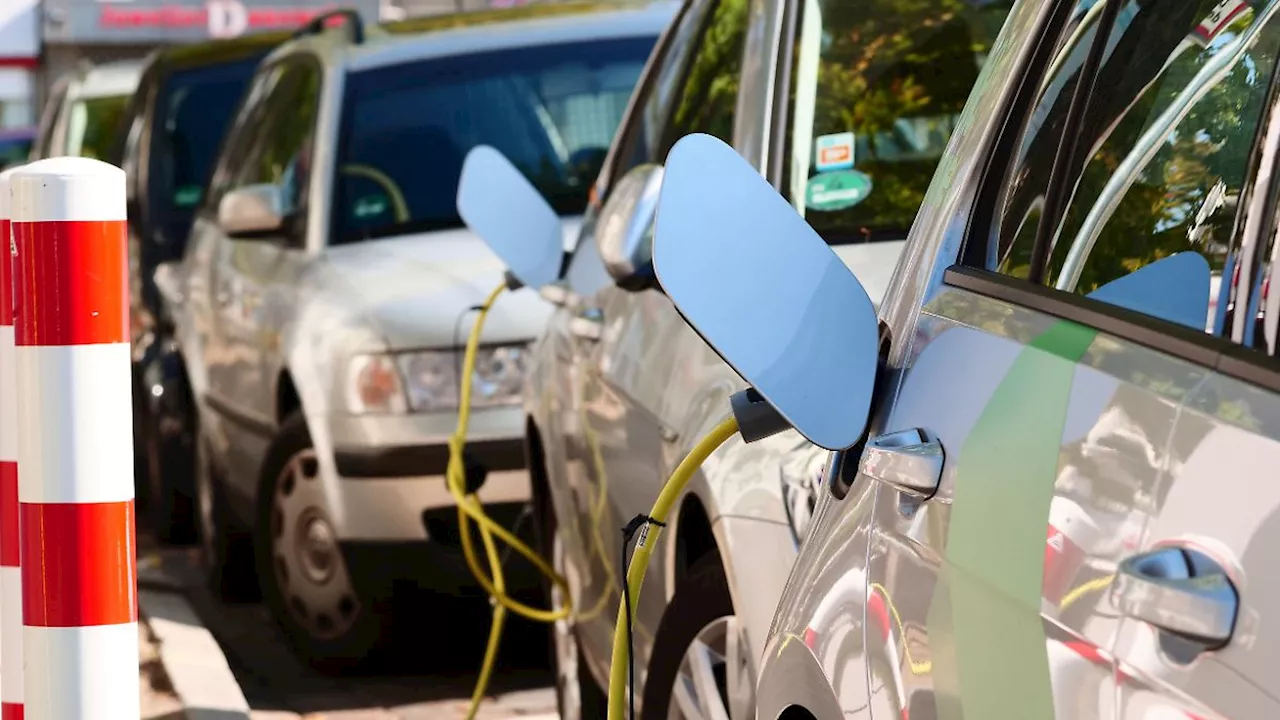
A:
{"points": [[1052, 493], [844, 106], [325, 287]]}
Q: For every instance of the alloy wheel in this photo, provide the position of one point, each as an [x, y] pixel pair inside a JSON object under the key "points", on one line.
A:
{"points": [[715, 679], [307, 562]]}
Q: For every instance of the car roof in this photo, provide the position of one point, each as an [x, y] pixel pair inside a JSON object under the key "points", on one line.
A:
{"points": [[215, 52], [105, 80], [475, 32]]}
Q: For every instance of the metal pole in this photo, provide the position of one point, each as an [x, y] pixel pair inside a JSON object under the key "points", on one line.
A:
{"points": [[10, 572], [75, 441]]}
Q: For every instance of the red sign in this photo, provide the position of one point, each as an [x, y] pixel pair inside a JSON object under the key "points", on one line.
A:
{"points": [[223, 18]]}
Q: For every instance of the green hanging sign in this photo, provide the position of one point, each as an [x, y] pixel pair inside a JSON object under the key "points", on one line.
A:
{"points": [[836, 190]]}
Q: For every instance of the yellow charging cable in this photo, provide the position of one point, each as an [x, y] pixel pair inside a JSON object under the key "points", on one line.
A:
{"points": [[648, 537], [471, 510]]}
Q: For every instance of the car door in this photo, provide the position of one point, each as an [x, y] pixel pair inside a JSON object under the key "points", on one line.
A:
{"points": [[252, 279], [625, 358], [1057, 549]]}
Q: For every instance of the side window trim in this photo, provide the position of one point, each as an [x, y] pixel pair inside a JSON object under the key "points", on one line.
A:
{"points": [[1206, 350], [779, 123]]}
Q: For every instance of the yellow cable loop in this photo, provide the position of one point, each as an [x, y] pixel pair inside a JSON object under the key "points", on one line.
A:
{"points": [[471, 510], [645, 542]]}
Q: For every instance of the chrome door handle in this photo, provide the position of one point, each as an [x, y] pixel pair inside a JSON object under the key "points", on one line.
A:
{"points": [[587, 324], [1180, 591], [905, 460]]}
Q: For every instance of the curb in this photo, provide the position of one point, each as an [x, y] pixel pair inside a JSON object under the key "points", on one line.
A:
{"points": [[192, 659]]}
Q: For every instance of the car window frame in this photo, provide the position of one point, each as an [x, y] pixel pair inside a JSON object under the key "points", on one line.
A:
{"points": [[973, 272]]}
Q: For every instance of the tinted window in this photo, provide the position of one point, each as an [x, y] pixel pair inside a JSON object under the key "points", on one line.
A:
{"points": [[191, 114], [1160, 156], [695, 89], [552, 110], [93, 125], [876, 89]]}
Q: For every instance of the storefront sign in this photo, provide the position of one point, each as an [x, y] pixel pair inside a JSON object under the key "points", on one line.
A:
{"points": [[133, 21]]}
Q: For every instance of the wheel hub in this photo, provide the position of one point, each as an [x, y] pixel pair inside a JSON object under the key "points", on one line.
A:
{"points": [[316, 548]]}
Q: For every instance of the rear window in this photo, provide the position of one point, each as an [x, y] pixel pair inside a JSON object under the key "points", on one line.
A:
{"points": [[192, 112], [552, 110], [93, 125]]}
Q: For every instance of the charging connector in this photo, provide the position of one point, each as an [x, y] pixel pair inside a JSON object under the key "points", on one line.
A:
{"points": [[757, 419]]}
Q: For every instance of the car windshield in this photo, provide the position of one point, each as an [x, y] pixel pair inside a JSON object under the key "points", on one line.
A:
{"points": [[877, 91], [191, 115], [93, 124], [552, 110]]}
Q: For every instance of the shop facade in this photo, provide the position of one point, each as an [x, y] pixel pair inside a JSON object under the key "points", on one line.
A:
{"points": [[101, 31], [19, 62]]}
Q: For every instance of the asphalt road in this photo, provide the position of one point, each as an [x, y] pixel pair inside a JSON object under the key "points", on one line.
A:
{"points": [[429, 676]]}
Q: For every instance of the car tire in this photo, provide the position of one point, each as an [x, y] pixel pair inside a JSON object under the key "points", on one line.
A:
{"points": [[226, 552], [330, 624], [578, 695], [701, 612]]}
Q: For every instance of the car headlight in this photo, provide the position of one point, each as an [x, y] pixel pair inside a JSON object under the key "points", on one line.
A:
{"points": [[427, 381]]}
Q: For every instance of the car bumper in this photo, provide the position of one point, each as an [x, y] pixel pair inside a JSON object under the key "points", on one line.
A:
{"points": [[391, 471]]}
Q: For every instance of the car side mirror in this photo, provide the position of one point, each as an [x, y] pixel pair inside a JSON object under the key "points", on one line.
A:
{"points": [[500, 205], [766, 292], [624, 229], [252, 211]]}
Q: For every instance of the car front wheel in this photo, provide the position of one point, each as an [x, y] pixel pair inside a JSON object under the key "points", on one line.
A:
{"points": [[700, 665], [328, 621]]}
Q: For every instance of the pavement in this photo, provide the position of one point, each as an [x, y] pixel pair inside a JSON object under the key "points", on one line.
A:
{"points": [[208, 660]]}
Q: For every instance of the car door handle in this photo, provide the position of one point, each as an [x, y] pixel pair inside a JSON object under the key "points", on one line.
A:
{"points": [[1180, 591], [905, 460], [586, 324]]}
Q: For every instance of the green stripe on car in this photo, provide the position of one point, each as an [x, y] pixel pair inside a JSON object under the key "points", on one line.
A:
{"points": [[985, 630]]}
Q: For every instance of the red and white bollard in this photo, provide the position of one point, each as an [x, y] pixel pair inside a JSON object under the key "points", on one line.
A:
{"points": [[75, 441], [10, 573]]}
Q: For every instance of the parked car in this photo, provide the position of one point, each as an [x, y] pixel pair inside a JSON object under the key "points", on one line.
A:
{"points": [[15, 145], [849, 125], [1053, 495], [85, 109], [319, 302], [170, 135]]}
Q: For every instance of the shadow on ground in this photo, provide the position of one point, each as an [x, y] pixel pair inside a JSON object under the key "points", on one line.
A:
{"points": [[432, 664]]}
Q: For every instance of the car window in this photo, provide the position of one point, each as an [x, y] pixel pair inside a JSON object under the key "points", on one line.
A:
{"points": [[1161, 153], [552, 110], [875, 91], [694, 90], [281, 150], [14, 150], [93, 125], [240, 135], [191, 114]]}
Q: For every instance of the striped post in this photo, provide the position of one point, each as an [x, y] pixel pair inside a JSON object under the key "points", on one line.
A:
{"points": [[75, 441], [10, 574]]}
